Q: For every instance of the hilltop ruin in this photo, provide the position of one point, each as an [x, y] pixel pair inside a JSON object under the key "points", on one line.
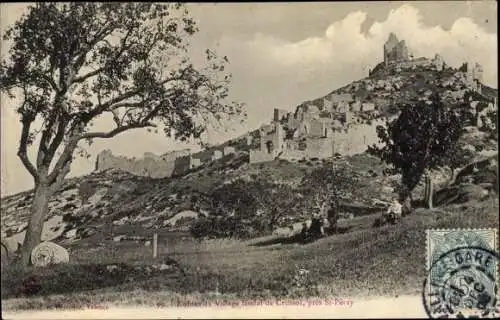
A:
{"points": [[343, 122]]}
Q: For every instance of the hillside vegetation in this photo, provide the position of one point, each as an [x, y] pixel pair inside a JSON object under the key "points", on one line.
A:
{"points": [[106, 220]]}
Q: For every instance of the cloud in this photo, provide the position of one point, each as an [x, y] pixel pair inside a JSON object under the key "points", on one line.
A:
{"points": [[346, 49]]}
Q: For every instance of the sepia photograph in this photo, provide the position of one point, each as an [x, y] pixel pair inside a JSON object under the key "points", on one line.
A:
{"points": [[249, 160]]}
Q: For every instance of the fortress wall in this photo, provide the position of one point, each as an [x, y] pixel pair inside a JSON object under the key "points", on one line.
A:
{"points": [[181, 165], [316, 148], [257, 156], [317, 128], [151, 165], [356, 139]]}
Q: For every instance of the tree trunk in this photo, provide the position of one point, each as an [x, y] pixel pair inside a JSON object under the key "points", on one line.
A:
{"points": [[429, 191], [452, 179], [38, 212]]}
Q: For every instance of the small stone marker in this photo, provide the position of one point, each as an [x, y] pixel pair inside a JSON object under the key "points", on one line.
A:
{"points": [[155, 245], [147, 243], [118, 238], [47, 253]]}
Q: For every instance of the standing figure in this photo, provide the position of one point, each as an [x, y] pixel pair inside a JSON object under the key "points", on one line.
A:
{"points": [[333, 215], [303, 232]]}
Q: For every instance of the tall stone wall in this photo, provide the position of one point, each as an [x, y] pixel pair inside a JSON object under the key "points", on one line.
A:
{"points": [[320, 148], [280, 114], [257, 156], [352, 140], [151, 165]]}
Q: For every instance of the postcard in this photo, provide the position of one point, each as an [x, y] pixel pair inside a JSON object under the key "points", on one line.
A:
{"points": [[249, 160]]}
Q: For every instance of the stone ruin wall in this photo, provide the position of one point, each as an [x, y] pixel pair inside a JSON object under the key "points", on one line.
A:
{"points": [[316, 148], [355, 140], [150, 166], [260, 156]]}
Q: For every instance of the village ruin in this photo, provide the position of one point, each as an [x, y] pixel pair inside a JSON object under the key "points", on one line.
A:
{"points": [[341, 123]]}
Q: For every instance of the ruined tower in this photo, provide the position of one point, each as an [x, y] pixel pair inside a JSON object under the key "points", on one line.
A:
{"points": [[438, 62], [473, 74], [395, 50]]}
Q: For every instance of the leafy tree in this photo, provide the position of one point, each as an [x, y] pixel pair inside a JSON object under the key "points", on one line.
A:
{"points": [[75, 63], [276, 200], [423, 137], [325, 186], [244, 198], [234, 199], [239, 203]]}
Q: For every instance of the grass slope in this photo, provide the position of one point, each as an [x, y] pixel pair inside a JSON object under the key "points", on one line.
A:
{"points": [[365, 261]]}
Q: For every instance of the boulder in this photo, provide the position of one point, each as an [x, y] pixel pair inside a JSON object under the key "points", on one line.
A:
{"points": [[461, 193], [118, 238], [71, 234], [47, 253]]}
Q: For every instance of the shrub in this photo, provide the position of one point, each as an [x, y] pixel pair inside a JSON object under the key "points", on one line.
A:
{"points": [[219, 227]]}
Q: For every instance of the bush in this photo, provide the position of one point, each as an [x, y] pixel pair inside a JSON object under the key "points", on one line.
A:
{"points": [[220, 227], [85, 191]]}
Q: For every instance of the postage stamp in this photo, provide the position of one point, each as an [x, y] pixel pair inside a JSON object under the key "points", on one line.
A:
{"points": [[462, 273]]}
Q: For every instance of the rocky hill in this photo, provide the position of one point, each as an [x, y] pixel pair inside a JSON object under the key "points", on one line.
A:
{"points": [[116, 203], [409, 86], [112, 202]]}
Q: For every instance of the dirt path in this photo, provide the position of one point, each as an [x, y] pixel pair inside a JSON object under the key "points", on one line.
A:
{"points": [[361, 307]]}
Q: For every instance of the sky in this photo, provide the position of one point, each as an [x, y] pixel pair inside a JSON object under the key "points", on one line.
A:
{"points": [[282, 54]]}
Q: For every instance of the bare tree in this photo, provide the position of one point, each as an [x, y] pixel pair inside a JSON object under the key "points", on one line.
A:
{"points": [[73, 63]]}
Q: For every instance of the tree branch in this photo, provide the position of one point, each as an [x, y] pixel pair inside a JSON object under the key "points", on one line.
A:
{"points": [[99, 70], [60, 177], [50, 80], [114, 132], [88, 75], [23, 145], [56, 142], [127, 95], [66, 156]]}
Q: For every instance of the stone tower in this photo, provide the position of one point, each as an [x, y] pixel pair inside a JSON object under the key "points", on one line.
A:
{"points": [[478, 72], [395, 50], [279, 137], [438, 62], [474, 72]]}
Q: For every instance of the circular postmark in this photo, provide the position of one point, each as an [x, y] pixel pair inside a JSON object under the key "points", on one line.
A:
{"points": [[462, 282]]}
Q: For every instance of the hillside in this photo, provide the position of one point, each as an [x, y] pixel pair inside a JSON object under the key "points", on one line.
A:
{"points": [[383, 261], [106, 220], [120, 202], [119, 199], [406, 87]]}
